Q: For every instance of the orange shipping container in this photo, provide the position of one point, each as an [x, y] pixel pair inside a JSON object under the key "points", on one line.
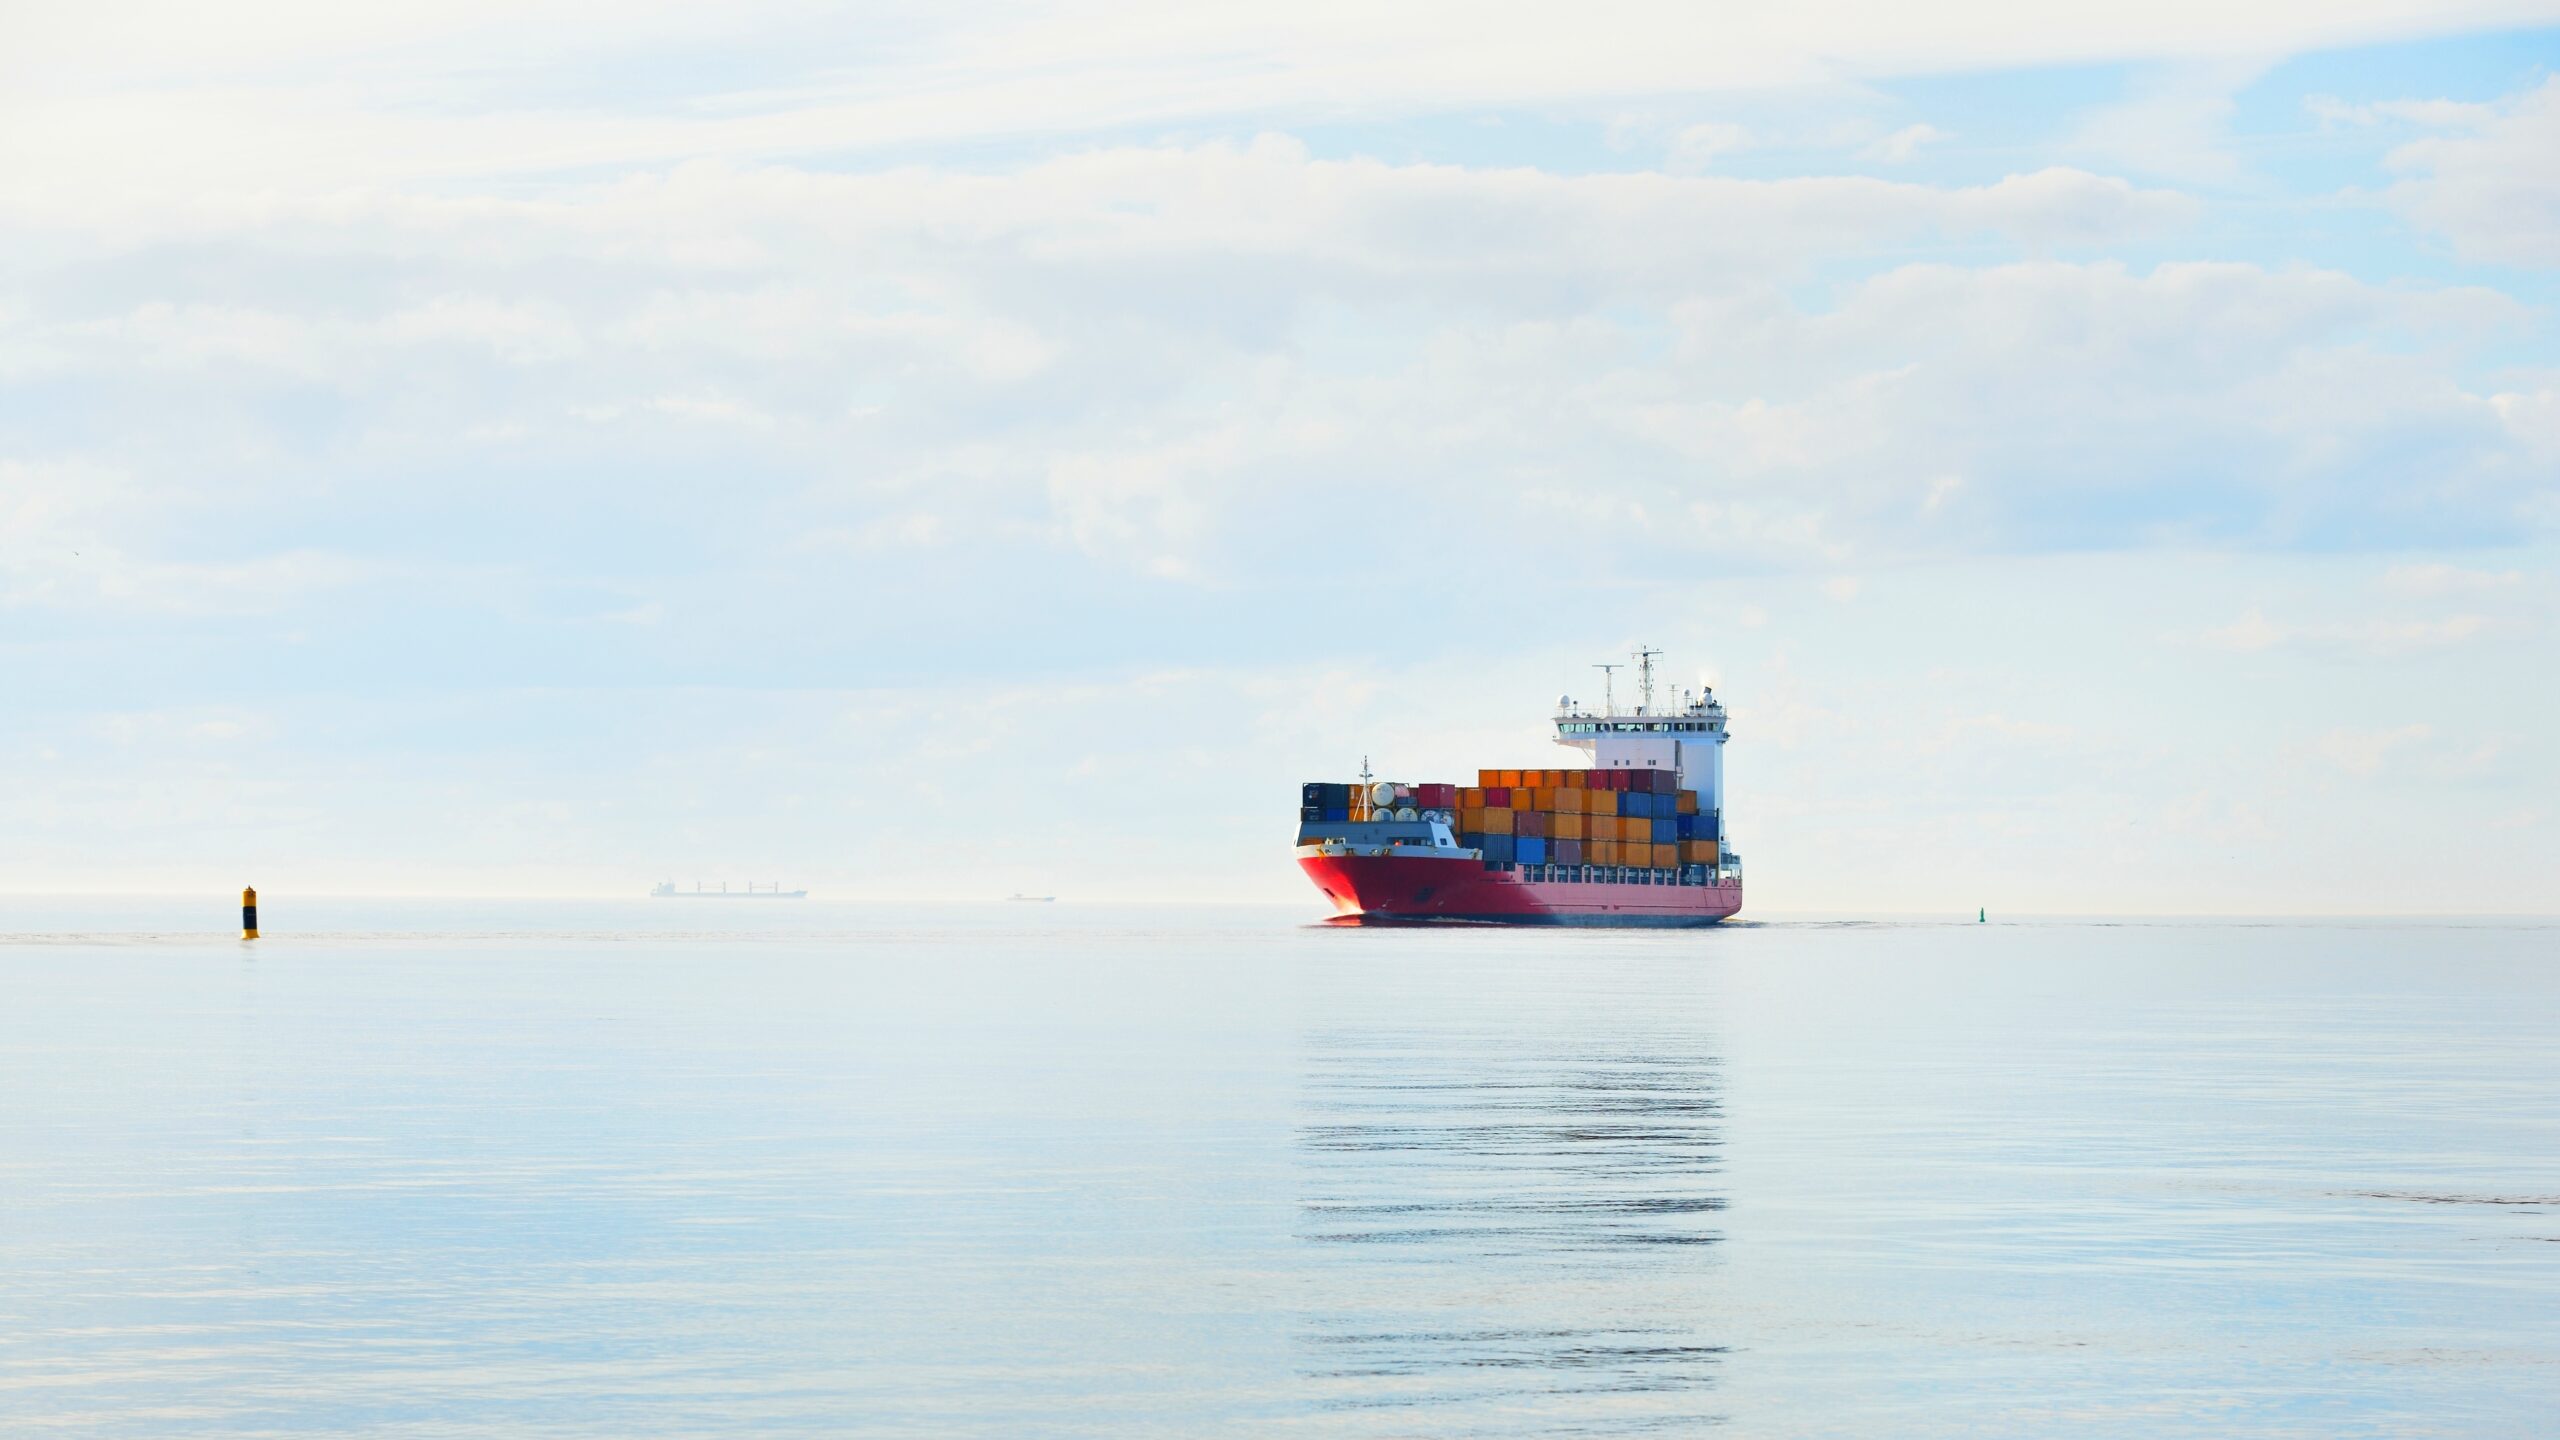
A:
{"points": [[1698, 852], [1635, 853], [1569, 826], [1487, 779], [1497, 822], [1687, 804], [1568, 801], [1471, 798], [1600, 802], [1578, 779], [1600, 852], [1471, 818]]}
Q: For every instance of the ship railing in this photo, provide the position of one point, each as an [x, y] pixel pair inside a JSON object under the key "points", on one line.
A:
{"points": [[1623, 874]]}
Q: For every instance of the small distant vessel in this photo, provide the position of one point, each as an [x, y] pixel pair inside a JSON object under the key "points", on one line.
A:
{"points": [[1036, 899], [666, 890]]}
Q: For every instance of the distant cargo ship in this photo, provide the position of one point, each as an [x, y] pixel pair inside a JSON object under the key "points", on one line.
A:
{"points": [[666, 889], [1633, 837]]}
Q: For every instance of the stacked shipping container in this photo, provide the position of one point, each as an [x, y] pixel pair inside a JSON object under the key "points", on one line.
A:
{"points": [[1323, 800], [1634, 818], [1631, 818]]}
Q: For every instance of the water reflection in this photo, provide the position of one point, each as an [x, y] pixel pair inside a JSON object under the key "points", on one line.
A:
{"points": [[1511, 1233]]}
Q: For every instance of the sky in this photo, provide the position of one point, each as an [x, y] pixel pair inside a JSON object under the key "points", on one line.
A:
{"points": [[2107, 462]]}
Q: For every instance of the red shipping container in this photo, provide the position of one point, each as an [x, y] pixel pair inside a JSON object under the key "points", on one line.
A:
{"points": [[1530, 822], [1497, 796], [1616, 779], [1435, 797]]}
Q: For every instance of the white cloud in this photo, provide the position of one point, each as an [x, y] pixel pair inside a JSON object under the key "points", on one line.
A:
{"points": [[2362, 753], [1904, 144], [2332, 111], [2491, 182], [2177, 125], [1169, 358], [2439, 579], [1697, 146], [713, 410], [2378, 639], [137, 111]]}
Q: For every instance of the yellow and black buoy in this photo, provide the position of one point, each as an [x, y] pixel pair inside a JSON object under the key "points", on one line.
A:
{"points": [[248, 914]]}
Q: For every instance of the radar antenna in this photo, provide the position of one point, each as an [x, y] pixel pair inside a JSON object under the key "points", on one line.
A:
{"points": [[1608, 687], [1643, 656]]}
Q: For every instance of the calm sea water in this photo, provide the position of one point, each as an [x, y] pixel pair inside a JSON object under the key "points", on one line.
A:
{"points": [[675, 1168]]}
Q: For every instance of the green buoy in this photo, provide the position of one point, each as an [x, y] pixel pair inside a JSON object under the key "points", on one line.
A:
{"points": [[1982, 916]]}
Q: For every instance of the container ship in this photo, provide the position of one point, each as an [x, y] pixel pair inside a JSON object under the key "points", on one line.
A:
{"points": [[1632, 836], [666, 890]]}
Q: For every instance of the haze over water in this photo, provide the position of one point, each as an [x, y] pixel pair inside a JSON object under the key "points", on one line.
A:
{"points": [[511, 1168]]}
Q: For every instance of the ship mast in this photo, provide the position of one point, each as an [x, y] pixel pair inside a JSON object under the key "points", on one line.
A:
{"points": [[1643, 656], [1608, 687]]}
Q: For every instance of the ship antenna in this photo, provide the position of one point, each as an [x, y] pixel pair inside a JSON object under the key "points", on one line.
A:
{"points": [[1608, 687], [1644, 682], [1364, 770]]}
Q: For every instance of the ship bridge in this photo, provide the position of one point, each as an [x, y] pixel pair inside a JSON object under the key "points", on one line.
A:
{"points": [[1683, 732]]}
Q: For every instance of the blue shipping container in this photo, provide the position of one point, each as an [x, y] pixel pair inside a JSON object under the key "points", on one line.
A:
{"points": [[1334, 812], [1497, 848], [1530, 849], [1710, 827], [1666, 829]]}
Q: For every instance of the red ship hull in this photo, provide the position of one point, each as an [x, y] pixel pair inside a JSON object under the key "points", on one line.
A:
{"points": [[1400, 889]]}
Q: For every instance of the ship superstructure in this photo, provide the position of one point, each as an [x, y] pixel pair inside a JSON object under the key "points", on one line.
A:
{"points": [[1634, 835]]}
